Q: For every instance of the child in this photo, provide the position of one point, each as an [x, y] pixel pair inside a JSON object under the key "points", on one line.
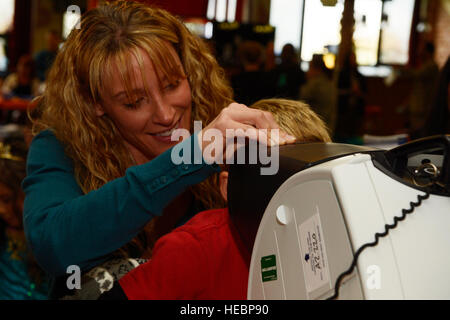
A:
{"points": [[205, 258], [20, 276]]}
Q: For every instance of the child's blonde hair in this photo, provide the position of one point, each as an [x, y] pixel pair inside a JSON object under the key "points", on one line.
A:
{"points": [[296, 118]]}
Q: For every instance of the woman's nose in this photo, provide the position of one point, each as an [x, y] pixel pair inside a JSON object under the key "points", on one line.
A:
{"points": [[164, 113]]}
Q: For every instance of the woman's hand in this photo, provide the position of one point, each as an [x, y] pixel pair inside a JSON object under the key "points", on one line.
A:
{"points": [[237, 120]]}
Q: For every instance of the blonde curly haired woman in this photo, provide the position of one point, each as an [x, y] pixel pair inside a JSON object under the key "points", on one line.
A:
{"points": [[99, 168]]}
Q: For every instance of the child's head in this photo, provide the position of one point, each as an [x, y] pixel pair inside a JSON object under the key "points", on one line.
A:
{"points": [[12, 171], [295, 118]]}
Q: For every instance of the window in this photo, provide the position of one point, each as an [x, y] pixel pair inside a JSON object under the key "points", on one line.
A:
{"points": [[6, 23], [381, 35], [222, 10], [285, 16], [396, 31], [367, 31], [6, 15], [321, 28], [3, 58]]}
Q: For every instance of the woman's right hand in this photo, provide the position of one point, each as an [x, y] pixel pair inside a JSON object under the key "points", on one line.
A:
{"points": [[239, 120]]}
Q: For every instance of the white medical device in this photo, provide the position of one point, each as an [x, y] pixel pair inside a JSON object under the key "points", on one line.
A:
{"points": [[307, 224]]}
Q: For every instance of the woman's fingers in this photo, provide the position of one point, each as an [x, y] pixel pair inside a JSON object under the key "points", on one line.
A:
{"points": [[258, 119], [219, 144], [220, 147], [218, 139], [227, 126]]}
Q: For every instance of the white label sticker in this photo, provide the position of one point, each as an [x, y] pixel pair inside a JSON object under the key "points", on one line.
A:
{"points": [[314, 257]]}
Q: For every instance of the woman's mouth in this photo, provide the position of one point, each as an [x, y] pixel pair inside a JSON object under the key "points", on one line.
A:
{"points": [[165, 136]]}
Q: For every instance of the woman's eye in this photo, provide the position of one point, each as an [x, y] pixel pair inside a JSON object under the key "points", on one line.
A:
{"points": [[172, 85], [134, 105]]}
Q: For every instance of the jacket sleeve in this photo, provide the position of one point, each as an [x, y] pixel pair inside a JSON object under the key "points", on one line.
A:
{"points": [[66, 227]]}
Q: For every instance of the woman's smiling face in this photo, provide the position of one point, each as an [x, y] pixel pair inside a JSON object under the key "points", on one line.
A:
{"points": [[156, 107]]}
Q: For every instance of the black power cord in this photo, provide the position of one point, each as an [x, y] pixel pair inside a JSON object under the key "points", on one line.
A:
{"points": [[374, 243]]}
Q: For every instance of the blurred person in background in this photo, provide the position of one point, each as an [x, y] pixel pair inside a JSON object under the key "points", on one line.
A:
{"points": [[23, 83], [44, 59], [438, 121], [423, 79], [20, 276], [351, 100], [288, 74], [20, 88], [319, 92], [253, 83]]}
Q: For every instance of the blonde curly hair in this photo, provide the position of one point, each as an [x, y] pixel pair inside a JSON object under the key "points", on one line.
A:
{"points": [[108, 37]]}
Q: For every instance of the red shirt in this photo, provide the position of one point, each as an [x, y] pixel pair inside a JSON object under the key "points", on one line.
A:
{"points": [[203, 259]]}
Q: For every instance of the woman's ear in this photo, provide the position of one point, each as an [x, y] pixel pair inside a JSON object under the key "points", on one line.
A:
{"points": [[99, 111], [223, 181]]}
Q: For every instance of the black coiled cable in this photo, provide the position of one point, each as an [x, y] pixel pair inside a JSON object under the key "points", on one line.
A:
{"points": [[374, 243]]}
